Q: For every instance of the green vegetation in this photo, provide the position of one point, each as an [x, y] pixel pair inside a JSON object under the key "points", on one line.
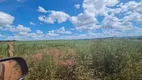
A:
{"points": [[111, 59]]}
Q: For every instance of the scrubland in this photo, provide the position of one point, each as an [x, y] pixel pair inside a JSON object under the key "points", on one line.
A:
{"points": [[108, 59]]}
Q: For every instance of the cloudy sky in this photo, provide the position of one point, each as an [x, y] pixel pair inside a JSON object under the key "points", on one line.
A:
{"points": [[69, 19]]}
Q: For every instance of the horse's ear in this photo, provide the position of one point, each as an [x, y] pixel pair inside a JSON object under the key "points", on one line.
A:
{"points": [[1, 71], [8, 64]]}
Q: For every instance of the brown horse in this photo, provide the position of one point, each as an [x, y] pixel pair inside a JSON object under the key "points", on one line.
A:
{"points": [[8, 69]]}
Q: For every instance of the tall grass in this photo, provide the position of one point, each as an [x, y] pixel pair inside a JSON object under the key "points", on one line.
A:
{"points": [[116, 59]]}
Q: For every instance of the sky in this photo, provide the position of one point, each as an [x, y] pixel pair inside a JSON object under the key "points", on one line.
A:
{"points": [[69, 19]]}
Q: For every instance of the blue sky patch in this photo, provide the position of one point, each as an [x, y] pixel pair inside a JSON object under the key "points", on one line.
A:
{"points": [[69, 19]]}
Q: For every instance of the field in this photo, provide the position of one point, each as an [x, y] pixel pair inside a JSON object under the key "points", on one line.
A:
{"points": [[108, 59]]}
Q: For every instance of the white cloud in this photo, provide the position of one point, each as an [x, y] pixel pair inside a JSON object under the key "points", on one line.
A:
{"points": [[112, 2], [33, 24], [110, 33], [89, 35], [54, 16], [6, 19], [116, 21], [84, 22], [131, 6], [38, 35], [133, 16], [77, 36], [57, 32], [95, 7], [20, 29], [113, 23], [92, 8], [139, 7], [69, 37], [6, 23], [41, 18], [129, 12], [19, 32], [39, 32], [63, 31], [34, 36], [52, 34], [6, 27], [135, 31], [77, 6], [41, 9]]}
